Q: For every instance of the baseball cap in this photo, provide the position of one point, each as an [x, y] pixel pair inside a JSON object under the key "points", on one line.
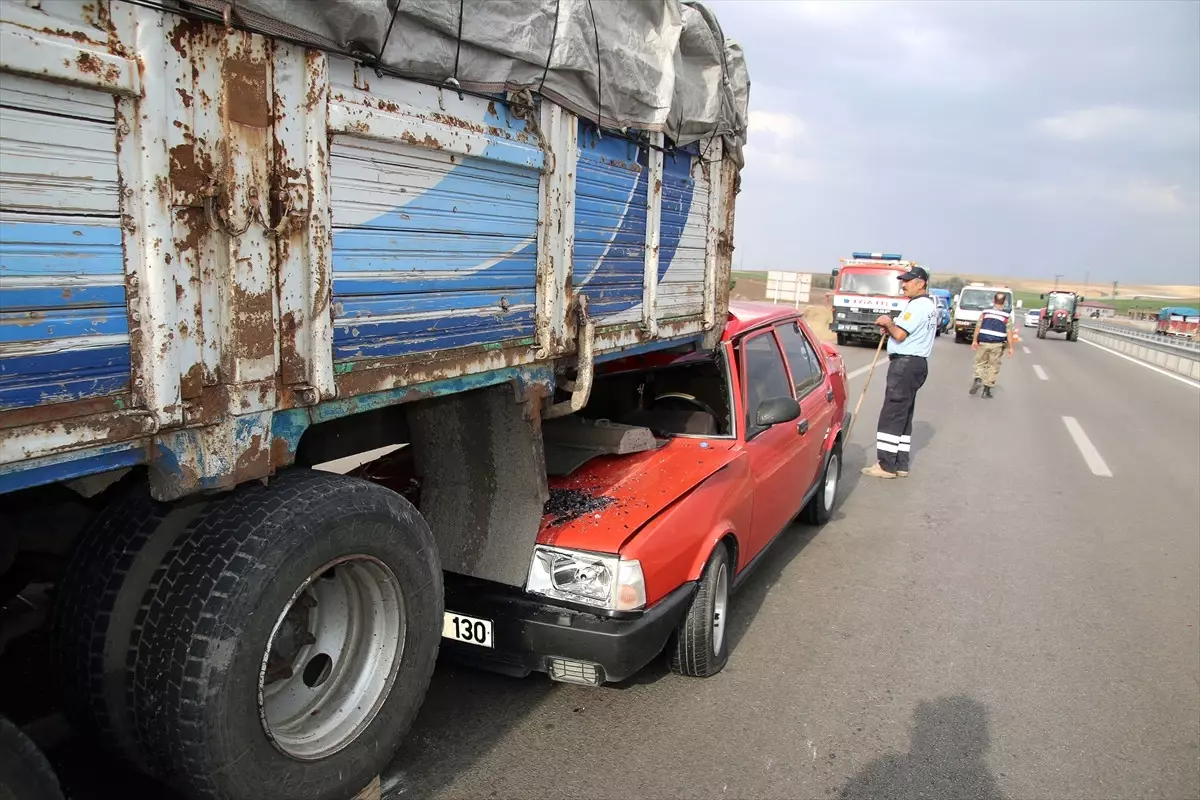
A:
{"points": [[915, 272]]}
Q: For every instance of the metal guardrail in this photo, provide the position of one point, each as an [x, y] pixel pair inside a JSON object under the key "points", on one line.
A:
{"points": [[1171, 344]]}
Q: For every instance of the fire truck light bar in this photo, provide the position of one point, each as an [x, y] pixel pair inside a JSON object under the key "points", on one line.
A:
{"points": [[879, 256]]}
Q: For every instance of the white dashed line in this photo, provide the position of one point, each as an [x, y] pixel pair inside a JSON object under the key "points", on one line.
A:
{"points": [[1159, 370], [1026, 349], [1041, 373], [1088, 450], [857, 372]]}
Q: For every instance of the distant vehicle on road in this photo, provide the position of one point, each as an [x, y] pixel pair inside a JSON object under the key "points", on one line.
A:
{"points": [[866, 286], [1032, 316], [974, 298], [944, 302], [642, 551], [1177, 321], [1061, 315]]}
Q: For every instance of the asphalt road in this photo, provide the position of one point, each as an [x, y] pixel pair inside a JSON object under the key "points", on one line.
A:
{"points": [[1014, 620]]}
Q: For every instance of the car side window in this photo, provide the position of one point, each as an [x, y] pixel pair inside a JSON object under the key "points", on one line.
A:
{"points": [[806, 365], [766, 376]]}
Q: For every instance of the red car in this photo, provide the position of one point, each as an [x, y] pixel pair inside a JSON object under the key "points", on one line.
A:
{"points": [[643, 551]]}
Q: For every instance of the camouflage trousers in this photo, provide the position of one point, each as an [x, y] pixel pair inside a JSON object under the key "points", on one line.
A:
{"points": [[987, 362]]}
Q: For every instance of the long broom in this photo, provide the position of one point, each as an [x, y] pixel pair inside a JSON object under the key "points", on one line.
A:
{"points": [[878, 349]]}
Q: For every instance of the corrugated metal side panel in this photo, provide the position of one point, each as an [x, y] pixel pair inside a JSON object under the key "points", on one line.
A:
{"points": [[64, 334], [684, 235], [610, 225], [431, 250]]}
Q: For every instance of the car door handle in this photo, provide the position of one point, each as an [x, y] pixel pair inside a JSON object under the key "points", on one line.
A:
{"points": [[802, 427], [829, 395]]}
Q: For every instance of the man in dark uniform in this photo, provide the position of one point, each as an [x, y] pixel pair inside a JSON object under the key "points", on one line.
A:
{"points": [[910, 341], [995, 328]]}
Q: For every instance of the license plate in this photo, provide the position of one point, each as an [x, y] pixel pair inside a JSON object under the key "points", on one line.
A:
{"points": [[462, 628]]}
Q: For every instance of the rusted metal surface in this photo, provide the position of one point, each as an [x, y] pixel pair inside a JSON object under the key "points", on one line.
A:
{"points": [[654, 196], [556, 229], [48, 438], [60, 412], [54, 41], [225, 144]]}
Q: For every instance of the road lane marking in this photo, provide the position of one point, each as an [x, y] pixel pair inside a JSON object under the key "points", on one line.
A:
{"points": [[1027, 350], [860, 371], [1090, 454], [1041, 373], [1159, 370]]}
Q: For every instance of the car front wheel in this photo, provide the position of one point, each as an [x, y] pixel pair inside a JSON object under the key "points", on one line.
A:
{"points": [[700, 646]]}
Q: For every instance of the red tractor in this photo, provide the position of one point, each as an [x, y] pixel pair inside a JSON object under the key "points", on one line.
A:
{"points": [[1060, 315]]}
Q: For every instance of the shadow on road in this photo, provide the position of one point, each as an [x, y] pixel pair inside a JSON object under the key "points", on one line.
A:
{"points": [[944, 760], [465, 712]]}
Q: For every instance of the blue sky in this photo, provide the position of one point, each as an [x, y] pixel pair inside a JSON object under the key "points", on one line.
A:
{"points": [[1021, 138]]}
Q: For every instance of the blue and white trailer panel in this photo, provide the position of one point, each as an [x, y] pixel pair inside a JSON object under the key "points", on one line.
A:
{"points": [[210, 240]]}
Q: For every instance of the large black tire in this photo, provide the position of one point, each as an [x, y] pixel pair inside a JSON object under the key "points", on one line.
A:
{"points": [[820, 506], [1073, 334], [841, 340], [696, 648], [25, 774], [96, 608], [213, 610], [1041, 328]]}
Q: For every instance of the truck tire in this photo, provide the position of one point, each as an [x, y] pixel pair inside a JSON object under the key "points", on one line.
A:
{"points": [[25, 774], [841, 340], [289, 641], [700, 645], [1073, 334], [1041, 328], [819, 508], [96, 607]]}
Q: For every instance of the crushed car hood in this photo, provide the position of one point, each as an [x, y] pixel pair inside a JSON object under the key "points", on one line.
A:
{"points": [[604, 502]]}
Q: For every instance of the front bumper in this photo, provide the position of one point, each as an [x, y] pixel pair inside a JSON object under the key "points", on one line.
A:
{"points": [[530, 632]]}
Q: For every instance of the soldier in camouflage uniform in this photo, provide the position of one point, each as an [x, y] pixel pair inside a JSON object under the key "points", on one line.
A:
{"points": [[995, 328]]}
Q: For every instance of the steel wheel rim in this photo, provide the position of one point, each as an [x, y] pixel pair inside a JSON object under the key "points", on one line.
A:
{"points": [[332, 657], [720, 604], [831, 481]]}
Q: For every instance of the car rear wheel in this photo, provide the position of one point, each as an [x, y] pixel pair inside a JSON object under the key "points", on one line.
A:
{"points": [[820, 505], [701, 644]]}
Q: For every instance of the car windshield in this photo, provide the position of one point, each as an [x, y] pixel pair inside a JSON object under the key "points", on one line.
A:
{"points": [[875, 281], [1056, 301], [979, 299]]}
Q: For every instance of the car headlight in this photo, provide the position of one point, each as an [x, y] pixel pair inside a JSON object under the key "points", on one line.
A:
{"points": [[594, 579], [841, 315]]}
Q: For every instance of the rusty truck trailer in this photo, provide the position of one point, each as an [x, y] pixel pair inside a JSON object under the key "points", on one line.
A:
{"points": [[242, 240]]}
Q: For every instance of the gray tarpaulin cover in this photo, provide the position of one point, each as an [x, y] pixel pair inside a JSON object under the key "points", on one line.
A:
{"points": [[662, 65]]}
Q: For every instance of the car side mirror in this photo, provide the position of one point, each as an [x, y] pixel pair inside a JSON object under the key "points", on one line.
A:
{"points": [[776, 410], [834, 273], [1041, 297], [1082, 299]]}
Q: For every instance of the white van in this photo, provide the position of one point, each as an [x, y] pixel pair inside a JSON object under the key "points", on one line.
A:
{"points": [[971, 301]]}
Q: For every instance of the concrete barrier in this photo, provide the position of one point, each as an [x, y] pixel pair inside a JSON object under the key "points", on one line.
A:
{"points": [[1171, 359]]}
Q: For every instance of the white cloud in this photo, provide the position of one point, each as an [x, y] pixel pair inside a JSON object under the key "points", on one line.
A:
{"points": [[778, 123], [1124, 123], [1142, 196], [782, 166], [835, 13]]}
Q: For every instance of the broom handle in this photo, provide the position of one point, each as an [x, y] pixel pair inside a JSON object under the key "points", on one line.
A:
{"points": [[878, 349]]}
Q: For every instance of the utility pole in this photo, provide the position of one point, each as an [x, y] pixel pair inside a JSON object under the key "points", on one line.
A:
{"points": [[1057, 275], [1087, 282], [1114, 290]]}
